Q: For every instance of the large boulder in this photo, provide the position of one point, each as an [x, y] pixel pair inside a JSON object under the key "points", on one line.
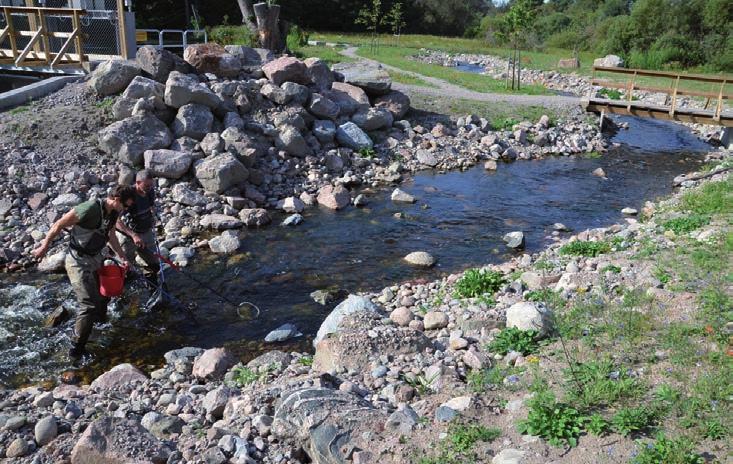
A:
{"points": [[255, 217], [351, 305], [170, 164], [372, 119], [296, 93], [181, 89], [213, 363], [530, 316], [395, 102], [226, 243], [220, 172], [328, 424], [352, 349], [323, 107], [118, 376], [183, 194], [219, 222], [609, 61], [193, 120], [349, 98], [212, 58], [290, 140], [250, 57], [128, 139], [331, 197], [286, 69], [319, 74], [351, 136], [372, 78], [275, 94], [324, 130], [158, 63], [113, 76], [115, 440], [142, 87]]}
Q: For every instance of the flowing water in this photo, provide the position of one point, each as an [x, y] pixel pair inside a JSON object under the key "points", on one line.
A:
{"points": [[459, 218]]}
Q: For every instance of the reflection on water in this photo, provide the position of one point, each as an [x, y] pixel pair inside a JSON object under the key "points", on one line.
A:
{"points": [[460, 218]]}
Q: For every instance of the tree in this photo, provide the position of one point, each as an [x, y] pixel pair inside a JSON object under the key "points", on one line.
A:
{"points": [[515, 25], [395, 18], [263, 20], [371, 17]]}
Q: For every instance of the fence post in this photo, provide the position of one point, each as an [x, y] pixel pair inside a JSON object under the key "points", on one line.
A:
{"points": [[121, 28]]}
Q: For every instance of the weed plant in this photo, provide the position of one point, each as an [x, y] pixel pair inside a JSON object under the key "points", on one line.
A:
{"points": [[514, 339], [585, 248], [668, 451], [685, 224], [478, 282]]}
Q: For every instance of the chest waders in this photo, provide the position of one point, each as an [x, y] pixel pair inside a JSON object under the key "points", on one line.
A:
{"points": [[82, 262]]}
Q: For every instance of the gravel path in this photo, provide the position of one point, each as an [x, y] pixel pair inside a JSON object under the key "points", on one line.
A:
{"points": [[446, 89]]}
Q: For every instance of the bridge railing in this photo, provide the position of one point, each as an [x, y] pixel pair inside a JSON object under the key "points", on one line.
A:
{"points": [[719, 87], [170, 38], [31, 42]]}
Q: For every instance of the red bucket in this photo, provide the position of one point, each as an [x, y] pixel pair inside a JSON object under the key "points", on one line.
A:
{"points": [[111, 280]]}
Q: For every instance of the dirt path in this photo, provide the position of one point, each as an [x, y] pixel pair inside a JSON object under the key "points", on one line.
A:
{"points": [[446, 89]]}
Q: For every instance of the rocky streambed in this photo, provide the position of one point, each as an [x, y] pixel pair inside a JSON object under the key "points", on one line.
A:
{"points": [[397, 361]]}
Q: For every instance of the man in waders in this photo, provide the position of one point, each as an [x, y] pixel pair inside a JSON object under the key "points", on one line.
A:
{"points": [[136, 228], [92, 226]]}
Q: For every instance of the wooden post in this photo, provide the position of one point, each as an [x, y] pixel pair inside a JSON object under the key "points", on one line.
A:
{"points": [[32, 23], [121, 28], [44, 36], [630, 91], [76, 23], [11, 32], [674, 96], [719, 106]]}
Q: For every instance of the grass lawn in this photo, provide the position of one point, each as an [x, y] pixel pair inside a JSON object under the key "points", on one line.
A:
{"points": [[500, 114], [408, 79], [330, 55]]}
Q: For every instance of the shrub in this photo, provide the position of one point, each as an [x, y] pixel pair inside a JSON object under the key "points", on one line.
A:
{"points": [[600, 383], [478, 282], [244, 376], [585, 248], [479, 380], [463, 437], [232, 35], [556, 422], [296, 38], [514, 339], [630, 420], [612, 94]]}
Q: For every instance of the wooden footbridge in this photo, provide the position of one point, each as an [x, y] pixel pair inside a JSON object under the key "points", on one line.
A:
{"points": [[713, 89]]}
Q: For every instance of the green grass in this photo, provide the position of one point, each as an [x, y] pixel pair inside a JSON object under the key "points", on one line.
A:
{"points": [[493, 111], [559, 423], [600, 383], [408, 79], [458, 446], [19, 110], [685, 224], [244, 376], [668, 451], [712, 198], [400, 57], [330, 55]]}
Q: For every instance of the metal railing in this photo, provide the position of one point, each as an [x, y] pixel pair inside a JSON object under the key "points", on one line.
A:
{"points": [[164, 40]]}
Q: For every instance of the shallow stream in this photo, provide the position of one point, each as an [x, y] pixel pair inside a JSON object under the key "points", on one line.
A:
{"points": [[459, 218]]}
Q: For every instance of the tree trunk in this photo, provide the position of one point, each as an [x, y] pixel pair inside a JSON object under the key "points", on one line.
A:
{"points": [[268, 29], [248, 17]]}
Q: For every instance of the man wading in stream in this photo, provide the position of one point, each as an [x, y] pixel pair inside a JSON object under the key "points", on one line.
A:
{"points": [[136, 228], [92, 226]]}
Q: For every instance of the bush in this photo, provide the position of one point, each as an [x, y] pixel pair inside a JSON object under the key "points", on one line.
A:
{"points": [[585, 248], [556, 422], [477, 282], [232, 35], [629, 420], [514, 339], [297, 38]]}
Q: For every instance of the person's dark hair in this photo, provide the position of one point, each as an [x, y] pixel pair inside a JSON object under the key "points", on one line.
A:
{"points": [[124, 192], [142, 175]]}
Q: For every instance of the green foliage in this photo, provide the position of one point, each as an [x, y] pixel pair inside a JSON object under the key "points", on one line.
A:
{"points": [[478, 282], [668, 451], [244, 376], [296, 38], [600, 383], [556, 422], [463, 437], [396, 18], [685, 224], [585, 248], [306, 361], [611, 268], [480, 380], [514, 339], [630, 420], [367, 153], [596, 424], [232, 35], [420, 383], [548, 296], [612, 94], [504, 123], [19, 110], [712, 198]]}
